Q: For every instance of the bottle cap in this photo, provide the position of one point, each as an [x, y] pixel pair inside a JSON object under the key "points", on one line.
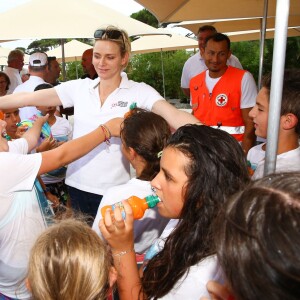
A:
{"points": [[152, 200]]}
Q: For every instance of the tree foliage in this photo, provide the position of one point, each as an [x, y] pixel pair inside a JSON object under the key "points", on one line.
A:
{"points": [[146, 17], [148, 68], [248, 54], [45, 45], [73, 70]]}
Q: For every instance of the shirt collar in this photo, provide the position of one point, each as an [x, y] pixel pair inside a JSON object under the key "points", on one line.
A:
{"points": [[125, 84]]}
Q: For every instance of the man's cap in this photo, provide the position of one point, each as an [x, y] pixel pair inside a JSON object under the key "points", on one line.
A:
{"points": [[38, 59]]}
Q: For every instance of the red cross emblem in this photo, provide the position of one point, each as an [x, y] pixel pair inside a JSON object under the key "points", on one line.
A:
{"points": [[221, 100]]}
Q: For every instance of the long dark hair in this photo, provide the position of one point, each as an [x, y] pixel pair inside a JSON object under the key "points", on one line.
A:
{"points": [[147, 133], [258, 239], [217, 169]]}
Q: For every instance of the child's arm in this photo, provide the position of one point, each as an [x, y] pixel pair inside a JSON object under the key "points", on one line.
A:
{"points": [[77, 148], [49, 195], [119, 235], [33, 134]]}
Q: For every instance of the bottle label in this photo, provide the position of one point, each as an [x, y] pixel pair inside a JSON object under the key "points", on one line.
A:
{"points": [[121, 207]]}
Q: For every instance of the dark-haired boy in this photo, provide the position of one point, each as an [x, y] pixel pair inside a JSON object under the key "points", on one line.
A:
{"points": [[288, 152]]}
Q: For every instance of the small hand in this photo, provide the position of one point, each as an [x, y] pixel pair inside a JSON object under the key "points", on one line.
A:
{"points": [[52, 198], [21, 130], [42, 119], [47, 144], [117, 231]]}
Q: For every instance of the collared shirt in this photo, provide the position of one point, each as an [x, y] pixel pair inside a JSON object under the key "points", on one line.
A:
{"points": [[105, 165]]}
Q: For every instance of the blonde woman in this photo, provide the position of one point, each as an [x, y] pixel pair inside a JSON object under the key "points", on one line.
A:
{"points": [[95, 102]]}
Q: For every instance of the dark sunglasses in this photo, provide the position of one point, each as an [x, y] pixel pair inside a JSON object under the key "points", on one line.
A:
{"points": [[109, 34]]}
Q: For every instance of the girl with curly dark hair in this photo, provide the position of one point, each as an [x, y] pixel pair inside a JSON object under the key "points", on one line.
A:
{"points": [[200, 167]]}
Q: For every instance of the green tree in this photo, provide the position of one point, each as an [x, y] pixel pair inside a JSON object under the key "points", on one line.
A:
{"points": [[248, 54], [148, 68], [22, 49], [146, 17], [48, 44], [73, 70]]}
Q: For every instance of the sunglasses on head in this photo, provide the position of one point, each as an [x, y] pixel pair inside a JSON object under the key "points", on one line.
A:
{"points": [[109, 34]]}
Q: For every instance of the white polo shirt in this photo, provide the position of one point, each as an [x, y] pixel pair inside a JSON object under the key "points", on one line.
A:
{"points": [[104, 166]]}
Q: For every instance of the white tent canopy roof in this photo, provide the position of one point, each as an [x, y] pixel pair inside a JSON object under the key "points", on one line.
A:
{"points": [[255, 34], [184, 10], [146, 44], [73, 51], [37, 19], [231, 25]]}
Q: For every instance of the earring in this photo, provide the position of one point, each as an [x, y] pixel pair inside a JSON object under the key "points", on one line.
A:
{"points": [[153, 189]]}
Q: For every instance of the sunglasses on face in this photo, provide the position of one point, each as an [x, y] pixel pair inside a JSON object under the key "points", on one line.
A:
{"points": [[112, 34]]}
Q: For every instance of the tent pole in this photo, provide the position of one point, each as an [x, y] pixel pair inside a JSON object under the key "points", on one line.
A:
{"points": [[163, 73], [262, 43], [280, 38], [76, 66], [63, 64]]}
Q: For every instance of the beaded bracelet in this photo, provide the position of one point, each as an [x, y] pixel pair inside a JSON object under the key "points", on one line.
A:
{"points": [[106, 133]]}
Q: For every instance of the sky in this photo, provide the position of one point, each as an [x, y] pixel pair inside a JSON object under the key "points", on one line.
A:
{"points": [[127, 7]]}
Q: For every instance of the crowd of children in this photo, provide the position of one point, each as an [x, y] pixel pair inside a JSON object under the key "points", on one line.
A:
{"points": [[215, 233]]}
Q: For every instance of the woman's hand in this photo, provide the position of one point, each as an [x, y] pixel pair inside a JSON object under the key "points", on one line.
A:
{"points": [[117, 231], [114, 126]]}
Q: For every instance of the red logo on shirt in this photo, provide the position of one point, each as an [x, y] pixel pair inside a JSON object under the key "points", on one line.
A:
{"points": [[221, 100]]}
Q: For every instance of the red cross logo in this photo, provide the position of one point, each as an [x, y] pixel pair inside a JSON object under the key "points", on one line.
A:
{"points": [[221, 100]]}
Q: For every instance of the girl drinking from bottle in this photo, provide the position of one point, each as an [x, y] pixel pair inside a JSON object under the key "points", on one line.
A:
{"points": [[200, 167], [144, 134]]}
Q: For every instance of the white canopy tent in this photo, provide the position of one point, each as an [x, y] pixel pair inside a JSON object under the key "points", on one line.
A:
{"points": [[185, 10], [59, 19], [157, 43], [73, 51], [252, 35], [240, 24], [40, 19]]}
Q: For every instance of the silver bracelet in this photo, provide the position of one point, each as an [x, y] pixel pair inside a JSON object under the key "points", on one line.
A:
{"points": [[121, 253]]}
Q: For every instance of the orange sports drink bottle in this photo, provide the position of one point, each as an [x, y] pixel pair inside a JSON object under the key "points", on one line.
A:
{"points": [[137, 204]]}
